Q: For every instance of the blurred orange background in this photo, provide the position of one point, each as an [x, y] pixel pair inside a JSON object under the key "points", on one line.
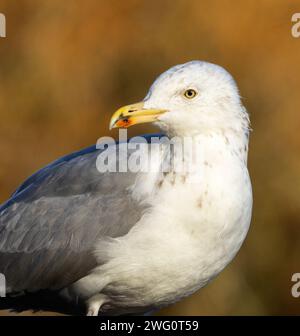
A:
{"points": [[66, 66]]}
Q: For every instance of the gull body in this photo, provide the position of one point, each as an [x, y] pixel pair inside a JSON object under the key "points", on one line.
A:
{"points": [[174, 232]]}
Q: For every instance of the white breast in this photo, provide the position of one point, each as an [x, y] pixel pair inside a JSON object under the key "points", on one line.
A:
{"points": [[194, 226]]}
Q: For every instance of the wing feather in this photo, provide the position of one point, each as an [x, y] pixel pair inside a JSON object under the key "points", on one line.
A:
{"points": [[49, 226]]}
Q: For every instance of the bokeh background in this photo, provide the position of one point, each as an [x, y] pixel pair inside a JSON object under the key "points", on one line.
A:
{"points": [[66, 66]]}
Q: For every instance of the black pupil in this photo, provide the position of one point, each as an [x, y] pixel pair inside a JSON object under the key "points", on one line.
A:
{"points": [[190, 93]]}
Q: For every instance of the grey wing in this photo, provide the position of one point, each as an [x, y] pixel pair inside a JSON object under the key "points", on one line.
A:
{"points": [[50, 225]]}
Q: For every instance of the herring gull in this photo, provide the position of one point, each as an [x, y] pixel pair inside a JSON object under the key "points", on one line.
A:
{"points": [[132, 242]]}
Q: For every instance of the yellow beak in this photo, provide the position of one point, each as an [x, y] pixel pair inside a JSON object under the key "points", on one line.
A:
{"points": [[129, 115]]}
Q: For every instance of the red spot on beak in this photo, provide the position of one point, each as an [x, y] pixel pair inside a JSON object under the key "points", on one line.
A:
{"points": [[124, 123]]}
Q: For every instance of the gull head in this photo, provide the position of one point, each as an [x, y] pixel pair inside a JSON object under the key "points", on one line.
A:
{"points": [[189, 99]]}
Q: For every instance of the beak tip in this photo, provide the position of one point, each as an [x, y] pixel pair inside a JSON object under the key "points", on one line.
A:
{"points": [[129, 115], [112, 125]]}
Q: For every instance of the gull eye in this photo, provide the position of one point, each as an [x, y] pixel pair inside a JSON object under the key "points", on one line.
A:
{"points": [[190, 93]]}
